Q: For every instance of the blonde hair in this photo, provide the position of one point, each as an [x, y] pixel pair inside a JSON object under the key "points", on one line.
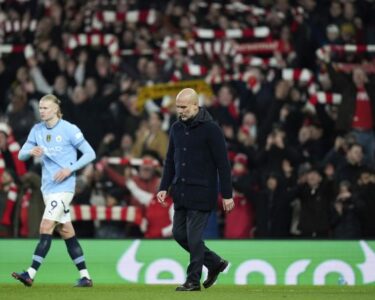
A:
{"points": [[55, 100]]}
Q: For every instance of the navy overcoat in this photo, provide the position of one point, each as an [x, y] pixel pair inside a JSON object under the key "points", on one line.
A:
{"points": [[197, 165]]}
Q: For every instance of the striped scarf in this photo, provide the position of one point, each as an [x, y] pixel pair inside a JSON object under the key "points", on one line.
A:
{"points": [[20, 168]]}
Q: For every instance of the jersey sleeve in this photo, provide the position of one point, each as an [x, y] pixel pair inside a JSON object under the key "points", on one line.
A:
{"points": [[88, 155], [75, 136], [30, 143]]}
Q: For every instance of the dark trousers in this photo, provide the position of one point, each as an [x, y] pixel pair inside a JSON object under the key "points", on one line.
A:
{"points": [[188, 227]]}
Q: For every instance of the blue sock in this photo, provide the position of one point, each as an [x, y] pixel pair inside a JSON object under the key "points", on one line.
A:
{"points": [[75, 252], [41, 250]]}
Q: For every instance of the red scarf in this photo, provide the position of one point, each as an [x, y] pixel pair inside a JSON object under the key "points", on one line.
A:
{"points": [[24, 216], [13, 148], [362, 118], [9, 206], [20, 168]]}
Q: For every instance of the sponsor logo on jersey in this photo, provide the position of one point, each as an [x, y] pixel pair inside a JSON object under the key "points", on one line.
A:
{"points": [[52, 151]]}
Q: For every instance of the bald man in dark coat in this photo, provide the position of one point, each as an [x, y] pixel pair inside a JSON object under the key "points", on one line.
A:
{"points": [[196, 169]]}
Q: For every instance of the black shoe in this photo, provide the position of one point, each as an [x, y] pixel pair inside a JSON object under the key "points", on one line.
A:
{"points": [[84, 282], [24, 278], [213, 274], [188, 287]]}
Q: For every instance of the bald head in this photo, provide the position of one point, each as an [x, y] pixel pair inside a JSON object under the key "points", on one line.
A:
{"points": [[188, 93], [187, 104]]}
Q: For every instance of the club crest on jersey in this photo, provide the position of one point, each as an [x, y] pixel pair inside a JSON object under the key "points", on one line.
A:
{"points": [[48, 138], [59, 138]]}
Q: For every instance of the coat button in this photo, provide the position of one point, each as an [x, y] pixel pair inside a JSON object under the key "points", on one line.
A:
{"points": [[184, 149], [182, 194], [183, 179], [183, 164], [187, 133]]}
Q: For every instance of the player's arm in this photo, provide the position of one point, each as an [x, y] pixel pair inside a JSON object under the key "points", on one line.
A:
{"points": [[88, 155], [30, 148]]}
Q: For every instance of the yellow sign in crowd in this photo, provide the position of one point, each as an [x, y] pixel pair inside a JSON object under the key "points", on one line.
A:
{"points": [[171, 89]]}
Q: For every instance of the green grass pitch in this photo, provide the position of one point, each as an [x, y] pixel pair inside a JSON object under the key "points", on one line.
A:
{"points": [[166, 292]]}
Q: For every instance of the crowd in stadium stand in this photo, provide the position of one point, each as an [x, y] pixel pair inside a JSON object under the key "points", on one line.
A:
{"points": [[293, 89]]}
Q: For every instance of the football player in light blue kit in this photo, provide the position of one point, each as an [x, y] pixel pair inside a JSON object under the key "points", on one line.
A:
{"points": [[56, 141]]}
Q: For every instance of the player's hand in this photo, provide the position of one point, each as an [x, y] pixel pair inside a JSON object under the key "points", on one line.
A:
{"points": [[62, 174], [161, 197], [228, 204], [36, 151]]}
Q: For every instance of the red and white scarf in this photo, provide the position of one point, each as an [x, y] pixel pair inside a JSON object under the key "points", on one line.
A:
{"points": [[20, 168], [13, 148], [6, 218], [24, 215]]}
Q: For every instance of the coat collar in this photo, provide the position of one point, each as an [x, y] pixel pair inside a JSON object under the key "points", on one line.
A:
{"points": [[202, 116]]}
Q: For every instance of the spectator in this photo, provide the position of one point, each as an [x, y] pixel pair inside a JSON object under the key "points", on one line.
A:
{"points": [[112, 229], [224, 110], [5, 82], [275, 151], [89, 114], [247, 138], [345, 217], [151, 137], [357, 111], [366, 194], [9, 149], [272, 209], [351, 168], [311, 144], [239, 223], [20, 115], [108, 146], [125, 115], [158, 217], [316, 196], [147, 179], [8, 198]]}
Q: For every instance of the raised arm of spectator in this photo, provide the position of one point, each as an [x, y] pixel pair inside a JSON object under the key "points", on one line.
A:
{"points": [[281, 93], [339, 79], [36, 74], [141, 195], [115, 176], [80, 72]]}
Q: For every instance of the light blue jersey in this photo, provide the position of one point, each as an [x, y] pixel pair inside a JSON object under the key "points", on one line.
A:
{"points": [[60, 144]]}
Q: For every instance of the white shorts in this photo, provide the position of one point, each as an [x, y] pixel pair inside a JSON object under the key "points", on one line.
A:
{"points": [[57, 207]]}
